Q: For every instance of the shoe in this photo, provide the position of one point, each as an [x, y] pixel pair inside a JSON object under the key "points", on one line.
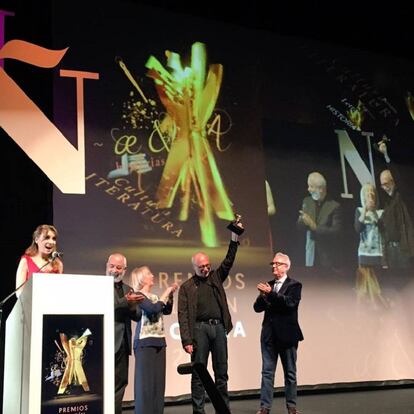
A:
{"points": [[263, 411], [292, 410]]}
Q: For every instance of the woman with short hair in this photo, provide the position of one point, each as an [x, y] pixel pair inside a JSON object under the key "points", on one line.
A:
{"points": [[150, 344]]}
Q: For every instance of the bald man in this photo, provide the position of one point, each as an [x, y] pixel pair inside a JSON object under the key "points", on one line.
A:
{"points": [[126, 308], [397, 225], [396, 222], [204, 318], [321, 219]]}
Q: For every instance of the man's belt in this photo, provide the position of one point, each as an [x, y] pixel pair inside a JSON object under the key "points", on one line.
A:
{"points": [[212, 321]]}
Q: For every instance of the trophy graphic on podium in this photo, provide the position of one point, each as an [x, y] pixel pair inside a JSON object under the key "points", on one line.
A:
{"points": [[74, 372], [236, 225]]}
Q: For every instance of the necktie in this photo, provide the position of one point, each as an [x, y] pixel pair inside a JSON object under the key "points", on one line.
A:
{"points": [[278, 285]]}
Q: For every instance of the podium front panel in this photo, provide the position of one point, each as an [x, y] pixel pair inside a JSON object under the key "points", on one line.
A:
{"points": [[68, 347]]}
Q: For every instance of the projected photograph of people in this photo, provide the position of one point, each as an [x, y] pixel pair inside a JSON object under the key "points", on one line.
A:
{"points": [[338, 207]]}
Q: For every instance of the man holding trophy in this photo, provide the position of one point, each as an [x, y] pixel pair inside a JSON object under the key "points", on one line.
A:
{"points": [[204, 317]]}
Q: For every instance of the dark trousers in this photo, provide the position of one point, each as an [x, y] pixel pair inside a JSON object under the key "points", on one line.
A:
{"points": [[121, 376], [149, 383], [269, 360], [209, 338], [396, 258]]}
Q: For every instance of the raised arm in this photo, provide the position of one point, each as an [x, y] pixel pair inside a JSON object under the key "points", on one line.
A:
{"points": [[168, 299], [225, 266], [150, 307]]}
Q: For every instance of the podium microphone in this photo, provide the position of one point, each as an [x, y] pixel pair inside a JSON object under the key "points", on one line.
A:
{"points": [[55, 255]]}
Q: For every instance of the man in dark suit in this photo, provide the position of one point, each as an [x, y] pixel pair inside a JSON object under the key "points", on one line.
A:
{"points": [[126, 308], [279, 299]]}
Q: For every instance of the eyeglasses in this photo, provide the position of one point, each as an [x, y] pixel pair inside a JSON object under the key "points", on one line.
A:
{"points": [[204, 266], [277, 264]]}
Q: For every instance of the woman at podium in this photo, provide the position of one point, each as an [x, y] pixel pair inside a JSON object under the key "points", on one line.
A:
{"points": [[39, 257], [149, 343]]}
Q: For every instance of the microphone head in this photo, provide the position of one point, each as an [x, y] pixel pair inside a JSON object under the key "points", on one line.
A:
{"points": [[56, 254]]}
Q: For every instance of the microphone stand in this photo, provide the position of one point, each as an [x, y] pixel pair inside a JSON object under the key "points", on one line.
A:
{"points": [[6, 299]]}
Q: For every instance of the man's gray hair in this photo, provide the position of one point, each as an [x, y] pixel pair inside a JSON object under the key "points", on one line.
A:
{"points": [[284, 257], [317, 178]]}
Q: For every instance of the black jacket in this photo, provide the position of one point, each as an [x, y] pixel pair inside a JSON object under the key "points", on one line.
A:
{"points": [[187, 297], [124, 312], [280, 323], [327, 232]]}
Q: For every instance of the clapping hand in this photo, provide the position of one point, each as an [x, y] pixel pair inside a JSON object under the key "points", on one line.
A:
{"points": [[132, 296], [172, 288], [307, 220], [189, 349], [264, 288], [169, 293]]}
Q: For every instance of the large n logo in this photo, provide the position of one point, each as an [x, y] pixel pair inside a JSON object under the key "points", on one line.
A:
{"points": [[28, 126], [348, 152]]}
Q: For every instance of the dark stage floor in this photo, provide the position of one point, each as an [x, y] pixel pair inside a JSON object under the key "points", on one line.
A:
{"points": [[398, 401]]}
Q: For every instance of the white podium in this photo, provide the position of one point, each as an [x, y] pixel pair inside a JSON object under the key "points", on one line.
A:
{"points": [[49, 306]]}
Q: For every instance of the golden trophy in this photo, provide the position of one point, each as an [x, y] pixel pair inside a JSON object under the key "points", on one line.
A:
{"points": [[74, 372], [235, 226]]}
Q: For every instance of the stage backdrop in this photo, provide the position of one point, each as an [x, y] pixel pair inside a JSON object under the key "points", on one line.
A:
{"points": [[191, 122]]}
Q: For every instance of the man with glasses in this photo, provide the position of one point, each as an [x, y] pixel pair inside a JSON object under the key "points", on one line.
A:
{"points": [[204, 319], [126, 308], [396, 223], [279, 299]]}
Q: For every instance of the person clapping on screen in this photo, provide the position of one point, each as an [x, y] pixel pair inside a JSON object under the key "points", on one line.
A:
{"points": [[321, 219], [370, 248]]}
